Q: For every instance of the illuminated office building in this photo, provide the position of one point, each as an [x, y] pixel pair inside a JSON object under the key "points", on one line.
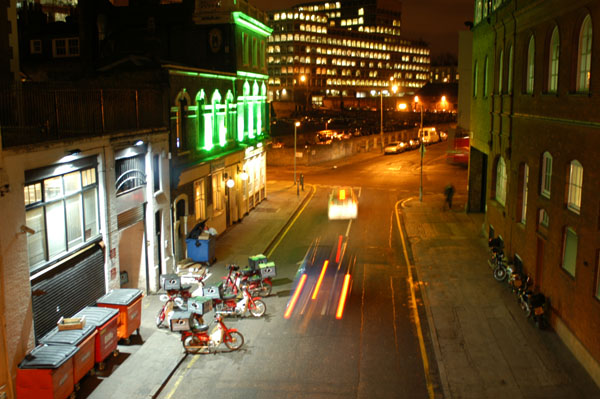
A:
{"points": [[336, 54]]}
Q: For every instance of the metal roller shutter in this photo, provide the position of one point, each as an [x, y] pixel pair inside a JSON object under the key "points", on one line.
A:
{"points": [[76, 283], [130, 217]]}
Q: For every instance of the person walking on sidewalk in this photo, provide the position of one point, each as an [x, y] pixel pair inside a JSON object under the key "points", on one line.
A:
{"points": [[449, 193]]}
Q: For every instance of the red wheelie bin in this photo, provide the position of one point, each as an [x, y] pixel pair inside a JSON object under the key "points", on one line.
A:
{"points": [[84, 339], [46, 373], [128, 301], [106, 321]]}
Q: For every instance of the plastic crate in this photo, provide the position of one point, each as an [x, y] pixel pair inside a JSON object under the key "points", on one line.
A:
{"points": [[268, 269], [200, 305], [181, 320], [256, 260]]}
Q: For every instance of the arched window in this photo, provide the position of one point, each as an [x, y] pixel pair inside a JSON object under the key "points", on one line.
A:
{"points": [[201, 115], [501, 181], [575, 186], [475, 70], [553, 61], [584, 55], [230, 110], [218, 119], [543, 222], [509, 85], [522, 194], [530, 66], [485, 76], [546, 174], [182, 101], [500, 70]]}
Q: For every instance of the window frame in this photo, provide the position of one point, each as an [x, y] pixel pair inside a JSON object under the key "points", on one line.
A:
{"points": [[567, 256], [584, 56], [501, 182], [553, 60], [509, 80], [546, 175], [530, 66], [475, 77], [575, 186], [501, 70], [524, 178]]}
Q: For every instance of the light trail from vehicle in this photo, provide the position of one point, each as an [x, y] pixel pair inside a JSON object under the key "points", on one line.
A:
{"points": [[342, 303], [320, 280], [337, 256], [292, 303]]}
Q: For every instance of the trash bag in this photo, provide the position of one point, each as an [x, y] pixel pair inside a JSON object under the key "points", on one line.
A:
{"points": [[197, 230]]}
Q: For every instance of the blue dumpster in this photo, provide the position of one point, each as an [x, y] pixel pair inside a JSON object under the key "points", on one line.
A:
{"points": [[201, 249]]}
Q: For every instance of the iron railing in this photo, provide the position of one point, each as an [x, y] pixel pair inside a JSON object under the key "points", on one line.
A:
{"points": [[33, 114]]}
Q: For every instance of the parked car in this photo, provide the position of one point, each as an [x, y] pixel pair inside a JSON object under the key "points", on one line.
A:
{"points": [[414, 143], [395, 147]]}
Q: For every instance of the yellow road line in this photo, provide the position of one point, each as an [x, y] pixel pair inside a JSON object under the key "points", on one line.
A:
{"points": [[268, 255], [176, 385], [415, 311]]}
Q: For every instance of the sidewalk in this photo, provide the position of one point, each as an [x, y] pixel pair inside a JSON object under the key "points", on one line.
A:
{"points": [[484, 346], [157, 351]]}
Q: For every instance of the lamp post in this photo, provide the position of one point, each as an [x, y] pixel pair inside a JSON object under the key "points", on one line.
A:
{"points": [[303, 80], [422, 149], [295, 128]]}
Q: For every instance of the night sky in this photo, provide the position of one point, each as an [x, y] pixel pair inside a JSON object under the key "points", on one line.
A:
{"points": [[436, 22]]}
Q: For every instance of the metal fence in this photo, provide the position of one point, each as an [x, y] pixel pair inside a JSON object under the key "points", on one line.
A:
{"points": [[35, 114]]}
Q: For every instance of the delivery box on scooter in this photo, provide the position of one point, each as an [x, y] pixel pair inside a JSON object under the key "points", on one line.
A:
{"points": [[170, 282], [268, 269], [181, 320], [200, 305], [256, 260], [213, 291]]}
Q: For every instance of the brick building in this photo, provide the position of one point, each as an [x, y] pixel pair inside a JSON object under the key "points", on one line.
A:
{"points": [[534, 152]]}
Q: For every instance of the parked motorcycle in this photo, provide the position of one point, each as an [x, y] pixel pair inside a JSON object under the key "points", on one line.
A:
{"points": [[229, 305], [257, 285], [177, 294], [497, 261], [199, 340]]}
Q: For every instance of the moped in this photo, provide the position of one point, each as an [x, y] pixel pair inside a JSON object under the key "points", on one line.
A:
{"points": [[230, 306], [178, 297], [199, 340]]}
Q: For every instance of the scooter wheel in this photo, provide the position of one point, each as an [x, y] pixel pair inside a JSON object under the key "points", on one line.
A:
{"points": [[265, 289], [234, 340], [192, 345], [258, 309], [499, 274]]}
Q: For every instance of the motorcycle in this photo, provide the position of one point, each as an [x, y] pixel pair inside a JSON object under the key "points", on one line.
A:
{"points": [[230, 306], [537, 303], [199, 340], [497, 261], [177, 295], [252, 278]]}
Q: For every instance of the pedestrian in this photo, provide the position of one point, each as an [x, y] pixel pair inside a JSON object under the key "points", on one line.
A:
{"points": [[449, 192], [302, 181]]}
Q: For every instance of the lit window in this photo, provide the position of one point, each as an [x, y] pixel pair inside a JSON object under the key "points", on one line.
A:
{"points": [[569, 251], [546, 174], [199, 199], [575, 186], [553, 67], [217, 186], [63, 212], [530, 66], [584, 58], [501, 181]]}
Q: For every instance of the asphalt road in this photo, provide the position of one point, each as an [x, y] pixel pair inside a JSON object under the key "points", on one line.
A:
{"points": [[374, 345]]}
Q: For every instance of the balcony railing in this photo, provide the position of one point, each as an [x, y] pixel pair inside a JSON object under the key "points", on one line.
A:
{"points": [[38, 114]]}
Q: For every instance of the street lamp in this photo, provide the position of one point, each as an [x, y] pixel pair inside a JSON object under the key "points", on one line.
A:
{"points": [[295, 128], [422, 149], [303, 80]]}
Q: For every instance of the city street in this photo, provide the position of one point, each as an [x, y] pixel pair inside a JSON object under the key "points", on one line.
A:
{"points": [[376, 348]]}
